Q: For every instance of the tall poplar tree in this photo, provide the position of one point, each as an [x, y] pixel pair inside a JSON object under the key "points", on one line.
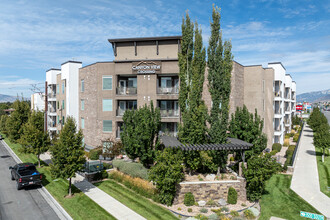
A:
{"points": [[219, 65]]}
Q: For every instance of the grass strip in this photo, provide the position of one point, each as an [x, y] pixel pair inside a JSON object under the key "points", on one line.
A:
{"points": [[79, 206], [324, 171], [280, 201], [137, 203]]}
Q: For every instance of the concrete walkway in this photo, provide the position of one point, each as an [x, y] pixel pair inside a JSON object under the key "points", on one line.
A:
{"points": [[305, 179], [111, 205]]}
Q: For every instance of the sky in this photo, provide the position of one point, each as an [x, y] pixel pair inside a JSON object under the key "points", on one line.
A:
{"points": [[41, 34]]}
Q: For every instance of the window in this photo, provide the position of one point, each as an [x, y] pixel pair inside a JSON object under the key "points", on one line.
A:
{"points": [[58, 119], [107, 105], [58, 105], [63, 120], [107, 126], [62, 87], [107, 82], [82, 85], [63, 104], [82, 123], [57, 89], [82, 104], [166, 82], [132, 83]]}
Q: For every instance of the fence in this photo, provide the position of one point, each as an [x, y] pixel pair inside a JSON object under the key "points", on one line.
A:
{"points": [[297, 145]]}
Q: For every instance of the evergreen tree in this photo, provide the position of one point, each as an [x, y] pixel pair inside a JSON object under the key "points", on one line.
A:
{"points": [[68, 152], [248, 127], [322, 138], [140, 133], [3, 123], [34, 140], [219, 65], [17, 119]]}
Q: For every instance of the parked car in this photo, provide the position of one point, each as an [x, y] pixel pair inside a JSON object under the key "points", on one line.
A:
{"points": [[25, 174]]}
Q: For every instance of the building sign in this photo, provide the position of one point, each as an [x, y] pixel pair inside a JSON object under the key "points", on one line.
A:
{"points": [[311, 215], [299, 108], [146, 67]]}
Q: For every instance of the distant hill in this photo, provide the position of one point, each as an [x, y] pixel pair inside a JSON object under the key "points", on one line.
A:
{"points": [[318, 96], [7, 98]]}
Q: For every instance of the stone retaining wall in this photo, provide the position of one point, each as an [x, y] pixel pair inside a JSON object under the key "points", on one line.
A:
{"points": [[206, 190]]}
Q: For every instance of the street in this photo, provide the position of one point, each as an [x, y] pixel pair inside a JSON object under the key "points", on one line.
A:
{"points": [[327, 114], [24, 204]]}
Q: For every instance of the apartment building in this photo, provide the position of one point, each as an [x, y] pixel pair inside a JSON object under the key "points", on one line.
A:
{"points": [[38, 102], [62, 95]]}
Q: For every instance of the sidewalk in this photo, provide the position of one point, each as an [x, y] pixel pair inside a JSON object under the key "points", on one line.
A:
{"points": [[108, 203], [305, 179], [115, 208]]}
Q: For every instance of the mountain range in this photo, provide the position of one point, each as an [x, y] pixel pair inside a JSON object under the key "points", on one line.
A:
{"points": [[7, 98], [318, 96]]}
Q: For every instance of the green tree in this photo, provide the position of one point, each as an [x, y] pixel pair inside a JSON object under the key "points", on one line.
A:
{"points": [[17, 119], [68, 152], [316, 119], [4, 106], [3, 123], [259, 170], [322, 138], [140, 133], [34, 139], [248, 127], [167, 173]]}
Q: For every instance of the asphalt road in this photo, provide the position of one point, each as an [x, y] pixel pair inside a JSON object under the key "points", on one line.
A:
{"points": [[26, 203], [327, 114]]}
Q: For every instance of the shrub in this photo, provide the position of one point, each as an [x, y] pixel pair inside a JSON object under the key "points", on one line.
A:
{"points": [[107, 166], [234, 213], [131, 168], [287, 135], [272, 153], [286, 142], [189, 209], [201, 217], [100, 175], [296, 137], [140, 186], [216, 211], [288, 155], [292, 133], [189, 199], [213, 217], [232, 159], [249, 214], [224, 209], [94, 154], [243, 204], [277, 147], [232, 196], [211, 203], [179, 209], [203, 210]]}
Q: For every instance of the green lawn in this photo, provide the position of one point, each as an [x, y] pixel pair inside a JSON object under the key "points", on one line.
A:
{"points": [[324, 171], [281, 201], [137, 203], [80, 206]]}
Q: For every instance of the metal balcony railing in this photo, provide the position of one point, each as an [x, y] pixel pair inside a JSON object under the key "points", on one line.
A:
{"points": [[278, 111], [51, 95], [169, 113], [126, 91], [169, 90], [278, 128]]}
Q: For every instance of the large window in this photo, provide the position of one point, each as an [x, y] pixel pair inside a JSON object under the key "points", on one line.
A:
{"points": [[82, 104], [63, 87], [107, 105], [107, 82], [82, 85], [107, 126], [82, 123]]}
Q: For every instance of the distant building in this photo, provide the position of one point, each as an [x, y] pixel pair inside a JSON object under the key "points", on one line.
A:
{"points": [[38, 102]]}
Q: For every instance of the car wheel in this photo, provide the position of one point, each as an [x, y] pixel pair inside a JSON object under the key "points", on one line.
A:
{"points": [[18, 186]]}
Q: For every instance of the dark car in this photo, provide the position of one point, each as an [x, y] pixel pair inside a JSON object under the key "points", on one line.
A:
{"points": [[25, 174]]}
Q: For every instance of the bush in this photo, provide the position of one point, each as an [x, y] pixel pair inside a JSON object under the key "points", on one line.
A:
{"points": [[189, 199], [94, 154], [287, 135], [224, 209], [203, 210], [201, 217], [249, 214], [288, 155], [100, 175], [296, 137], [107, 166], [211, 203], [131, 168], [232, 196], [189, 209], [213, 217], [140, 186], [286, 142], [277, 147], [234, 213], [292, 133], [272, 153]]}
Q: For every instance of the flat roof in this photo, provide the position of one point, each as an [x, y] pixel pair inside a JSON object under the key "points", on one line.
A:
{"points": [[277, 63], [116, 40], [53, 69], [71, 61]]}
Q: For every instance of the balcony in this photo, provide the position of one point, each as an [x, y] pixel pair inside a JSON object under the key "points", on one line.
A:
{"points": [[169, 113], [51, 96], [278, 130], [287, 122], [167, 90], [126, 91], [51, 126], [169, 108], [125, 105]]}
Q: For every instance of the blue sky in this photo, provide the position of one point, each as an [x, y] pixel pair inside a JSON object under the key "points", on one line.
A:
{"points": [[41, 34]]}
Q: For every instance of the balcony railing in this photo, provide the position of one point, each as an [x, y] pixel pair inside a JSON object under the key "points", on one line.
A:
{"points": [[278, 111], [51, 110], [278, 128], [169, 113], [287, 121], [278, 94], [51, 95], [126, 91], [51, 124], [169, 90]]}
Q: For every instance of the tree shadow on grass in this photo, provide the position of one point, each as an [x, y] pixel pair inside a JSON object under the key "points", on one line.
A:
{"points": [[313, 152]]}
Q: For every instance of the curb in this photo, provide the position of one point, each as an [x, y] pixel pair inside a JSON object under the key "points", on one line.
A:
{"points": [[58, 209]]}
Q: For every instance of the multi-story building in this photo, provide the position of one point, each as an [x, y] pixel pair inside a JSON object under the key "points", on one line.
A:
{"points": [[38, 102], [62, 95]]}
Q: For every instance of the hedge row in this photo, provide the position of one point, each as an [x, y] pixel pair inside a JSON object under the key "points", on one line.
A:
{"points": [[288, 155], [131, 168]]}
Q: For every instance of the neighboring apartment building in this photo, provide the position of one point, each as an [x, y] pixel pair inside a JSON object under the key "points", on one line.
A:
{"points": [[62, 95], [38, 102]]}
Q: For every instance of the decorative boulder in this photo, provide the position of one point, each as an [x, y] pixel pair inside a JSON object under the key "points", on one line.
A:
{"points": [[210, 177], [255, 211], [222, 202], [201, 203]]}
